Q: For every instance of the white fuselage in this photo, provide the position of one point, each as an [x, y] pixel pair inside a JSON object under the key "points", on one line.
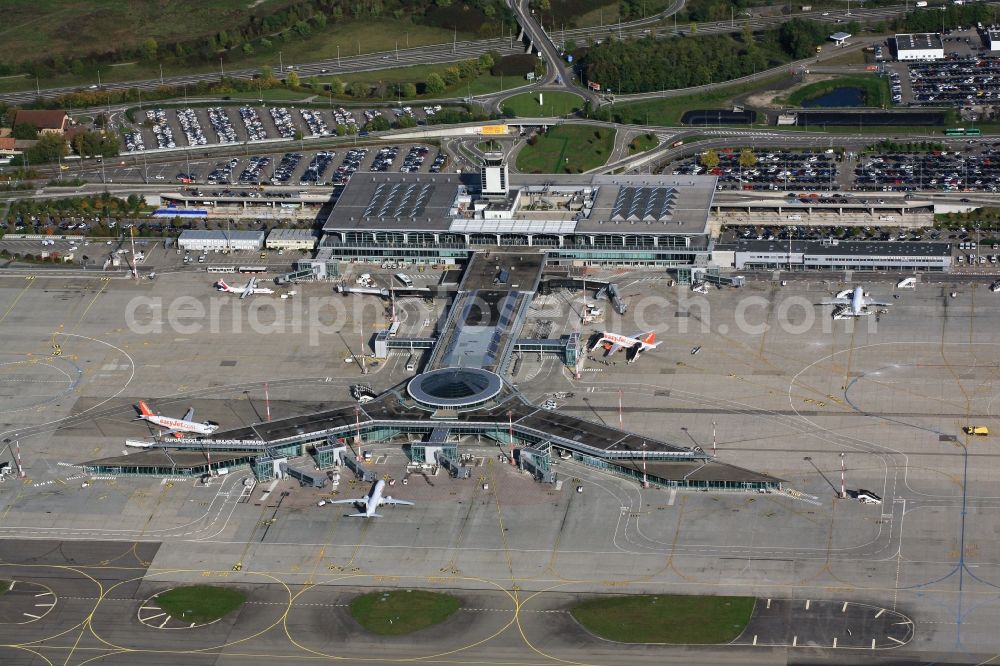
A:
{"points": [[180, 425], [858, 302], [374, 499]]}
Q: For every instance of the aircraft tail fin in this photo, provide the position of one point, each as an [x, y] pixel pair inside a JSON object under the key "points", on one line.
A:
{"points": [[145, 410], [223, 286], [649, 338]]}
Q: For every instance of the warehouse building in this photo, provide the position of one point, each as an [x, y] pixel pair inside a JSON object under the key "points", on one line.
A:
{"points": [[919, 46], [291, 239], [836, 255], [201, 240], [577, 219]]}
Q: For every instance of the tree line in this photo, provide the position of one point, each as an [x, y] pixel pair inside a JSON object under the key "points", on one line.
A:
{"points": [[649, 64]]}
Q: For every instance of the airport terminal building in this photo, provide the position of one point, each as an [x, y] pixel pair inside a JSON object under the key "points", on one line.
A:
{"points": [[581, 220], [834, 255]]}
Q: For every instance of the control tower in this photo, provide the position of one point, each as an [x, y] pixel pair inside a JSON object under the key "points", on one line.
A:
{"points": [[493, 175]]}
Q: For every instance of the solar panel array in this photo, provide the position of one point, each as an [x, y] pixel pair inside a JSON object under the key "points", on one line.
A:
{"points": [[399, 200], [643, 204]]}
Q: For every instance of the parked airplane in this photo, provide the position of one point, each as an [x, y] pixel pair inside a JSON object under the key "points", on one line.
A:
{"points": [[634, 345], [371, 502], [854, 303], [249, 288], [176, 427]]}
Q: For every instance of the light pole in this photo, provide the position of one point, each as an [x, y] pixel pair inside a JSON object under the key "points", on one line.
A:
{"points": [[843, 487], [510, 434]]}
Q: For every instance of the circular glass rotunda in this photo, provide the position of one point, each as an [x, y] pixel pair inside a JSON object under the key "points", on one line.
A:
{"points": [[455, 388]]}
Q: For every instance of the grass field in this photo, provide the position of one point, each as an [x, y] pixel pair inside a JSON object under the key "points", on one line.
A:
{"points": [[370, 37], [398, 612], [876, 90], [667, 112], [200, 603], [57, 27], [642, 143], [666, 618], [554, 103], [590, 13], [567, 149]]}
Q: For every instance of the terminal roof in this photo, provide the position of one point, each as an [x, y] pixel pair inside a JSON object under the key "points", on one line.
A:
{"points": [[851, 248], [617, 204]]}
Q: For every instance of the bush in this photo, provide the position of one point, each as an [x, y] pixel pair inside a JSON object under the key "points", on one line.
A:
{"points": [[514, 65]]}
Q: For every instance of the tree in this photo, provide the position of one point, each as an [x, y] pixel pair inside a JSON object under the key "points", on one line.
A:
{"points": [[435, 85], [148, 49], [336, 87], [406, 121], [25, 131], [378, 124], [408, 90], [359, 89], [709, 159], [451, 76], [292, 80], [266, 73], [747, 158], [486, 62]]}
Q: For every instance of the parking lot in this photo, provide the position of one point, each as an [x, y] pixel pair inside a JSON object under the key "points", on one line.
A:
{"points": [[970, 169], [968, 77], [774, 170], [293, 168], [200, 126]]}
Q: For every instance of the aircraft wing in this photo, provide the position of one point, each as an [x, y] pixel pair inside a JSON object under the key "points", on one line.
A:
{"points": [[389, 500], [878, 303], [836, 301], [246, 292], [252, 284], [188, 415], [362, 500], [614, 349]]}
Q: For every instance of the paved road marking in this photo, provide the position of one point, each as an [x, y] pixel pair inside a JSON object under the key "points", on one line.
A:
{"points": [[879, 614], [893, 638], [844, 608], [673, 496]]}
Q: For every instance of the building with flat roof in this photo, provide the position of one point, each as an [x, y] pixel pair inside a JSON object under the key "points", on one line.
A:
{"points": [[993, 39], [837, 255], [919, 46], [291, 239], [578, 219], [200, 239]]}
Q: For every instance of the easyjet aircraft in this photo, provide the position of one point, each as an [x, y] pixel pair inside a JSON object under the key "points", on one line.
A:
{"points": [[176, 427], [633, 345]]}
